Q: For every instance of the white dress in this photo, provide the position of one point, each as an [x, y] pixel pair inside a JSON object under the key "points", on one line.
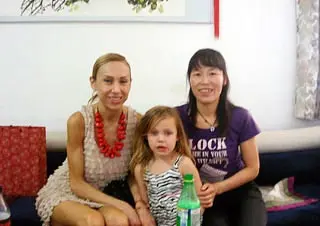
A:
{"points": [[99, 170]]}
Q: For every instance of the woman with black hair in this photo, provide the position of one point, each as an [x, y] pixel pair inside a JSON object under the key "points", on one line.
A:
{"points": [[222, 139]]}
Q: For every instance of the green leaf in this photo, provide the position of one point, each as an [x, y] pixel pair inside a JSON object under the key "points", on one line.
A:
{"points": [[138, 9], [160, 8]]}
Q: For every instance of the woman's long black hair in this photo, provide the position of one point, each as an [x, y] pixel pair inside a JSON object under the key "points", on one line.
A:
{"points": [[211, 58]]}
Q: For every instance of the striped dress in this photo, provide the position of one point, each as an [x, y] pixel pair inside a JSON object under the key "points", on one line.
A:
{"points": [[163, 192]]}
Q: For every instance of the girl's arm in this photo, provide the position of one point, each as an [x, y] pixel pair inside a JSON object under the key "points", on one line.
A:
{"points": [[138, 174], [134, 188], [142, 205], [186, 166], [136, 180]]}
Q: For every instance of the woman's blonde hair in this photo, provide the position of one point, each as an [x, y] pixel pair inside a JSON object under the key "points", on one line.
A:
{"points": [[141, 150], [102, 60]]}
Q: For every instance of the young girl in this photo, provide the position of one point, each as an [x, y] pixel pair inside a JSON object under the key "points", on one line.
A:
{"points": [[161, 157]]}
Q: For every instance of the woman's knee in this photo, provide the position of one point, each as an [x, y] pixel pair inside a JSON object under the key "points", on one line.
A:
{"points": [[93, 218], [114, 217]]}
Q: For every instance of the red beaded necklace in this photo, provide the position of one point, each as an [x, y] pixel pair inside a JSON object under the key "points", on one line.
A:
{"points": [[104, 147]]}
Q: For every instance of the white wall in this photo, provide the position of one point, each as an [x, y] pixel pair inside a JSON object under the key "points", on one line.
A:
{"points": [[45, 67]]}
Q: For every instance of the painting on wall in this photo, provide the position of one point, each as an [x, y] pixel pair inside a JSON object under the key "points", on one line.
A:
{"points": [[107, 10]]}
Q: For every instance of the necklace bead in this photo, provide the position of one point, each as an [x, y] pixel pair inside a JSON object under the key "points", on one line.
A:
{"points": [[103, 145]]}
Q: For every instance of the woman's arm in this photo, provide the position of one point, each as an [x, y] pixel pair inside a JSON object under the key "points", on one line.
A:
{"points": [[250, 157], [75, 137]]}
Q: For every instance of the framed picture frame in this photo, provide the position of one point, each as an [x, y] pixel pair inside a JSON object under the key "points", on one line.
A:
{"points": [[165, 11]]}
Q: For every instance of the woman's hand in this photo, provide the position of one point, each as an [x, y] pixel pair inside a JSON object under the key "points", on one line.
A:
{"points": [[145, 217], [207, 194]]}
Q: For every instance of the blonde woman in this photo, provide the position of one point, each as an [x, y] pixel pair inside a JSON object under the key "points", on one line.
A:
{"points": [[98, 153]]}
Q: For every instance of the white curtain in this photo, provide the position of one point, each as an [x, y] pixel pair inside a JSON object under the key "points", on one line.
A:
{"points": [[307, 99]]}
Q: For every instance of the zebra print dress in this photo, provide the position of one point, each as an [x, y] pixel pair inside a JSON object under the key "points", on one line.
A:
{"points": [[163, 192]]}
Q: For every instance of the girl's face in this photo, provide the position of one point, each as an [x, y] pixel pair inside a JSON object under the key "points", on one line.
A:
{"points": [[206, 84], [162, 137], [112, 84]]}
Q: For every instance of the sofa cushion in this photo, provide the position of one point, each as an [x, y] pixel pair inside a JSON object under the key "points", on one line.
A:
{"points": [[23, 212], [276, 166]]}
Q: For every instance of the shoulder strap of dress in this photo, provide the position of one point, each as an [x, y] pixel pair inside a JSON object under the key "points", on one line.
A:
{"points": [[132, 119], [178, 160], [87, 113]]}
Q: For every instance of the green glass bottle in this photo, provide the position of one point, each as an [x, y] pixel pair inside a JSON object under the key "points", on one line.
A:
{"points": [[188, 207]]}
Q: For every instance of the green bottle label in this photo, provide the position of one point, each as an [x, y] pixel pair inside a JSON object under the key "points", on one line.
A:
{"points": [[188, 217]]}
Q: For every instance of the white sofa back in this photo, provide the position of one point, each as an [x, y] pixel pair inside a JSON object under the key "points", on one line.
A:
{"points": [[268, 141]]}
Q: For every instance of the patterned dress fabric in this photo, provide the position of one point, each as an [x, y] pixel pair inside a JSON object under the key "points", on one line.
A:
{"points": [[163, 193], [99, 171]]}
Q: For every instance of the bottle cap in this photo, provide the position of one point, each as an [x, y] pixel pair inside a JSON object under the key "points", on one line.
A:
{"points": [[188, 178]]}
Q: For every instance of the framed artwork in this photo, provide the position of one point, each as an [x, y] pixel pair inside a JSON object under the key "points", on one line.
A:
{"points": [[176, 11]]}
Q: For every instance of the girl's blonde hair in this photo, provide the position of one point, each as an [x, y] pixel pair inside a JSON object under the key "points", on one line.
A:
{"points": [[141, 150]]}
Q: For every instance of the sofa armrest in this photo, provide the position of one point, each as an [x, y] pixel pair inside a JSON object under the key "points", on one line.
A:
{"points": [[289, 140]]}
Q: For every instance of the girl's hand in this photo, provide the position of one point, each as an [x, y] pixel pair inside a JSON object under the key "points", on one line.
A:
{"points": [[131, 214], [145, 217], [207, 194]]}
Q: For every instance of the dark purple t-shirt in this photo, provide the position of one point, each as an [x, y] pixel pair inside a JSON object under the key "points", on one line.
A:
{"points": [[218, 157]]}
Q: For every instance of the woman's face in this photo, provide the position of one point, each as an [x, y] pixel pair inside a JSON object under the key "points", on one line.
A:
{"points": [[113, 83], [206, 84]]}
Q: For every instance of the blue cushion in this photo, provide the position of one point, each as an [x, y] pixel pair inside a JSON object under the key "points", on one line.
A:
{"points": [[23, 212], [276, 166], [304, 166], [301, 216]]}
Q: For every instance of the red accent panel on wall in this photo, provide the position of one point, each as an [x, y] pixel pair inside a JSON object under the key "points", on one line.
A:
{"points": [[216, 18]]}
